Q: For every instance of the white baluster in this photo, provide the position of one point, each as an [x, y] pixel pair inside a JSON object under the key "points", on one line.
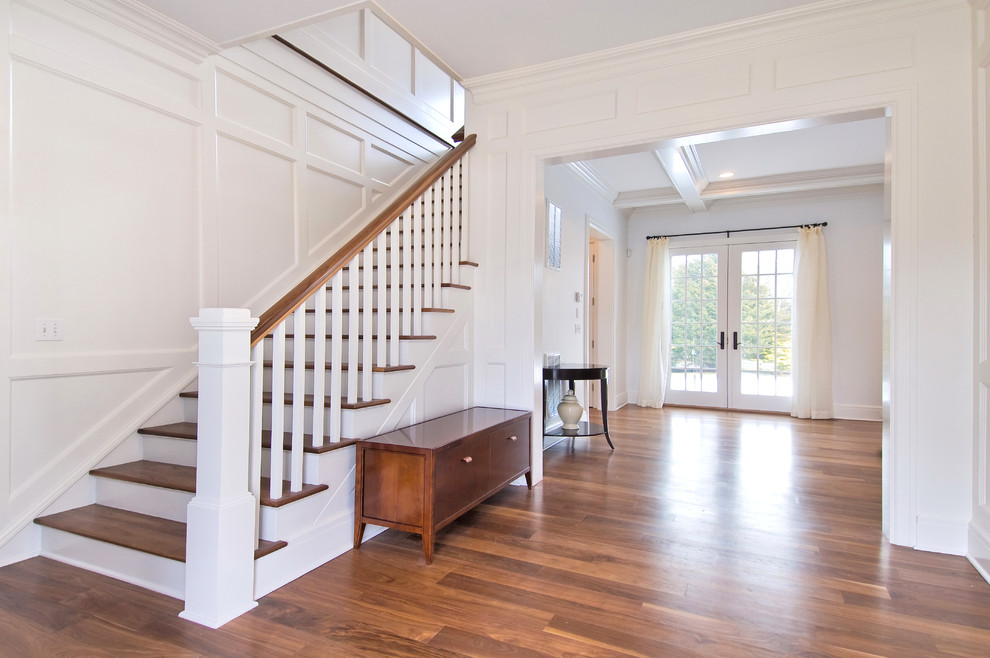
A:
{"points": [[381, 359], [417, 259], [278, 411], [367, 319], [298, 399], [446, 223], [395, 296], [319, 363], [407, 265], [460, 208], [429, 218], [435, 237], [353, 329], [336, 352]]}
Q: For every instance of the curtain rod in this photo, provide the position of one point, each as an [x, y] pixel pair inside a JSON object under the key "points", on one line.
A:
{"points": [[737, 230]]}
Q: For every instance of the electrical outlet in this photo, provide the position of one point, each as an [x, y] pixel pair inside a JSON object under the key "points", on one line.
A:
{"points": [[47, 329]]}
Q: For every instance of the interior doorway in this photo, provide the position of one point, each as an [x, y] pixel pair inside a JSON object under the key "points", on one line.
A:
{"points": [[600, 307]]}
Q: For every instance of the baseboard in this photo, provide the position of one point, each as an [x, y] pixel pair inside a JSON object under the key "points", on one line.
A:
{"points": [[941, 535], [307, 552], [621, 400], [22, 546], [978, 551], [858, 412]]}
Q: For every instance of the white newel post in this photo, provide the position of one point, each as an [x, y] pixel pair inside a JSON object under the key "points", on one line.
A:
{"points": [[221, 518]]}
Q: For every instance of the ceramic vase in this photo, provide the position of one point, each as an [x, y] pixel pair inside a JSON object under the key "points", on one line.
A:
{"points": [[570, 411]]}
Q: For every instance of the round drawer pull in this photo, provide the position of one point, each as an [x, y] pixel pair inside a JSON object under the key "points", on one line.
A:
{"points": [[513, 438], [467, 460]]}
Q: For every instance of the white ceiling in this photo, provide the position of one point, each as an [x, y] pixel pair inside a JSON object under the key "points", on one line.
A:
{"points": [[484, 37]]}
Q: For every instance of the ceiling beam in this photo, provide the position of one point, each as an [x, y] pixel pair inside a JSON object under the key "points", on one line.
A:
{"points": [[681, 171], [803, 181]]}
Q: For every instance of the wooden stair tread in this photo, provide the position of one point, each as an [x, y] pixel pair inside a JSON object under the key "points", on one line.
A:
{"points": [[308, 400], [266, 442], [152, 473], [140, 532], [310, 366], [288, 496], [183, 430]]}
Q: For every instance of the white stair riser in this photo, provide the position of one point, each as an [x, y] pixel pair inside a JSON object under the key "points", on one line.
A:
{"points": [[134, 497], [169, 450], [290, 521], [377, 378], [408, 350], [143, 569], [327, 468]]}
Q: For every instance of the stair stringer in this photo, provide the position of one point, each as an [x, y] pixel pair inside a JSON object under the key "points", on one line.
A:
{"points": [[330, 532]]}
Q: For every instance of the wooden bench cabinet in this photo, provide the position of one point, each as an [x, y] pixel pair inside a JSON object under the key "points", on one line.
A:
{"points": [[422, 477]]}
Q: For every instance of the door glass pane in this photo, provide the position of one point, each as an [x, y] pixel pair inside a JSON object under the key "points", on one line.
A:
{"points": [[766, 290], [694, 322]]}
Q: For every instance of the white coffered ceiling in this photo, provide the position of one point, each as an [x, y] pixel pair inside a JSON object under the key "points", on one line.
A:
{"points": [[484, 37]]}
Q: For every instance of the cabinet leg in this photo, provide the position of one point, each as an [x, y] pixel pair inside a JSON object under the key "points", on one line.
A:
{"points": [[428, 547], [529, 479], [358, 533]]}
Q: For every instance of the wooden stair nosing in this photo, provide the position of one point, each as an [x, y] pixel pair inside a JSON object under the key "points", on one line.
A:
{"points": [[311, 366], [362, 337], [188, 431], [183, 478], [140, 532], [308, 400], [183, 430], [431, 309]]}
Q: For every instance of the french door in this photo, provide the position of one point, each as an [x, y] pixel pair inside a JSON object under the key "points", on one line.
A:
{"points": [[731, 326]]}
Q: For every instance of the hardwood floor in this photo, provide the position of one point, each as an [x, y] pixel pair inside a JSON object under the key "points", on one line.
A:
{"points": [[704, 533]]}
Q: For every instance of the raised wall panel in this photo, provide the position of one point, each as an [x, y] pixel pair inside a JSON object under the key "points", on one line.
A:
{"points": [[331, 202], [334, 144], [384, 166], [573, 112], [390, 54], [446, 390], [693, 88], [105, 218], [253, 108], [257, 231], [54, 33], [57, 413], [875, 56], [346, 29], [433, 86]]}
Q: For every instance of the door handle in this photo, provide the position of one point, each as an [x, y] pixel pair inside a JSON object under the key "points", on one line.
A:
{"points": [[721, 340], [735, 340]]}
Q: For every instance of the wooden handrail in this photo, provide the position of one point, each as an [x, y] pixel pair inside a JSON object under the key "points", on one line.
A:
{"points": [[298, 295]]}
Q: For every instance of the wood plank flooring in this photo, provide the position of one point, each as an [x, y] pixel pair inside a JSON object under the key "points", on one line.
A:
{"points": [[704, 533]]}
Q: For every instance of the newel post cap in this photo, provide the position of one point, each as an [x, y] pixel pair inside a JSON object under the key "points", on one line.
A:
{"points": [[224, 319]]}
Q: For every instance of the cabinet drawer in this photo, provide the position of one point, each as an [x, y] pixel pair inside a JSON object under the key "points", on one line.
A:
{"points": [[393, 486], [510, 452], [461, 476]]}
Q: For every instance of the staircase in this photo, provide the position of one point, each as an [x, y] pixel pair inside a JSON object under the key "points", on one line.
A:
{"points": [[331, 362]]}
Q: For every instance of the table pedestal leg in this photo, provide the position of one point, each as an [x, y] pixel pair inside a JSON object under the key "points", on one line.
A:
{"points": [[605, 411]]}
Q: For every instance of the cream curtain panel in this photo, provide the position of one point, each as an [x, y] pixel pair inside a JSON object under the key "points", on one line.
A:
{"points": [[811, 358], [655, 350]]}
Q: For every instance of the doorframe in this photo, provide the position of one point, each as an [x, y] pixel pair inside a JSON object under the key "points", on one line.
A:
{"points": [[899, 449], [606, 321]]}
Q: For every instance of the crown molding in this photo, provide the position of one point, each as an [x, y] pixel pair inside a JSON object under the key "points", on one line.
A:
{"points": [[642, 55], [592, 179], [152, 25]]}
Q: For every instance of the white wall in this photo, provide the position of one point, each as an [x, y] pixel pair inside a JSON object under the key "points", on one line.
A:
{"points": [[562, 312], [854, 241], [910, 57], [146, 183]]}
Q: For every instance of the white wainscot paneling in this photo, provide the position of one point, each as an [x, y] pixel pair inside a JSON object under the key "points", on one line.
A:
{"points": [[346, 30], [384, 166], [390, 54], [253, 108], [573, 112], [105, 218], [331, 202], [84, 46], [446, 390], [334, 144], [433, 86], [51, 416], [681, 91], [848, 62], [494, 385], [257, 220]]}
